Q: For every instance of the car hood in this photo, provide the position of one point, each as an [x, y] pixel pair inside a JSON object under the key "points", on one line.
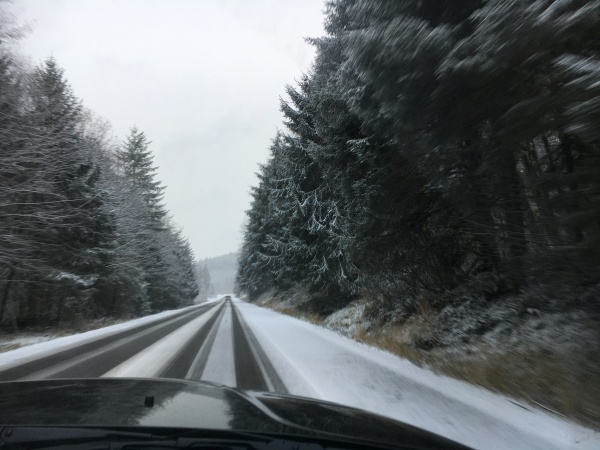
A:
{"points": [[197, 405]]}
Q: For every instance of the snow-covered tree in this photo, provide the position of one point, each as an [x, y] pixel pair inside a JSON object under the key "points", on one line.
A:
{"points": [[204, 282], [81, 236], [138, 166], [435, 142]]}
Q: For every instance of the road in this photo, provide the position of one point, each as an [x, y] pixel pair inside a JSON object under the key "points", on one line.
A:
{"points": [[241, 345], [210, 343]]}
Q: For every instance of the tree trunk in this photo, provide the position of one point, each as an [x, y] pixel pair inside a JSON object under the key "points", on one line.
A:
{"points": [[510, 203], [5, 291]]}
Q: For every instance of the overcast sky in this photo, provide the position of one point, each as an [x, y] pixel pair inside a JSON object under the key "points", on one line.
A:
{"points": [[202, 79]]}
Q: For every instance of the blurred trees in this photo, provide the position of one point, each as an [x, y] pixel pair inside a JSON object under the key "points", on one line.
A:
{"points": [[436, 144], [203, 281], [217, 274], [83, 231]]}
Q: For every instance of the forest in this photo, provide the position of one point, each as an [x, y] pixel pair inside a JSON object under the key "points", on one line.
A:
{"points": [[220, 271], [84, 231], [437, 153]]}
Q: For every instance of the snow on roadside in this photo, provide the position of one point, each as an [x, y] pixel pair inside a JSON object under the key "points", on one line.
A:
{"points": [[346, 320], [23, 340], [35, 351], [319, 363]]}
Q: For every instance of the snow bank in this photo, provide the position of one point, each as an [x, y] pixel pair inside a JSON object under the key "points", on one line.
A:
{"points": [[316, 362]]}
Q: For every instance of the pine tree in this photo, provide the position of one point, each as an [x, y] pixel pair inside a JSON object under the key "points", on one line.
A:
{"points": [[435, 144], [203, 281], [187, 275], [80, 237], [75, 230], [138, 166], [17, 243]]}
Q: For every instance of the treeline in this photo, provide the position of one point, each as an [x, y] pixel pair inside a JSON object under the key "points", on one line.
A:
{"points": [[222, 271], [84, 233], [436, 147]]}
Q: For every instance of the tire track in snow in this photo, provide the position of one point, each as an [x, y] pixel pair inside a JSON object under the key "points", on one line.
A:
{"points": [[153, 360], [222, 349], [197, 367], [220, 366], [30, 367], [184, 361], [102, 358], [253, 369], [105, 361]]}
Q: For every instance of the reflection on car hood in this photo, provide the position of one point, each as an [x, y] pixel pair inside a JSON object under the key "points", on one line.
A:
{"points": [[198, 405]]}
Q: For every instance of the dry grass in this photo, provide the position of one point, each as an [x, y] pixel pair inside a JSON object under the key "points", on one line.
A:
{"points": [[274, 305], [293, 312], [568, 385], [309, 317], [393, 340], [564, 384], [10, 347]]}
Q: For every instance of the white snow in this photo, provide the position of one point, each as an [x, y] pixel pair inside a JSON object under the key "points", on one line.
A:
{"points": [[151, 361], [83, 281], [220, 366], [318, 363], [31, 352], [25, 339]]}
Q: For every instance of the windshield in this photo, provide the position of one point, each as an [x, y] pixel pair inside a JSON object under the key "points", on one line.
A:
{"points": [[386, 205]]}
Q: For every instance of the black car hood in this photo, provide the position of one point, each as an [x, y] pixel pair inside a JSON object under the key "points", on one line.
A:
{"points": [[188, 404]]}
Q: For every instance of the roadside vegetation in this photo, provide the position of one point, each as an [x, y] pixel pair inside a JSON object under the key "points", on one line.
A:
{"points": [[546, 360], [438, 169], [84, 233]]}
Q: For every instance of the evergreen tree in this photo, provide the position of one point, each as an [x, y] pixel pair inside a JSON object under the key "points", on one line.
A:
{"points": [[187, 275], [75, 231], [203, 281], [17, 238], [80, 236], [167, 259], [138, 166], [435, 144]]}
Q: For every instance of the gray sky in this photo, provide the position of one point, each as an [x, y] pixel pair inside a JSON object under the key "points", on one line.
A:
{"points": [[202, 79]]}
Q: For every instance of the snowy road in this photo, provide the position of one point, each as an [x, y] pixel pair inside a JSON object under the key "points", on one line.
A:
{"points": [[209, 343], [242, 345]]}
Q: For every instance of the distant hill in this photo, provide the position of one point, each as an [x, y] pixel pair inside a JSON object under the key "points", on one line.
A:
{"points": [[222, 270]]}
